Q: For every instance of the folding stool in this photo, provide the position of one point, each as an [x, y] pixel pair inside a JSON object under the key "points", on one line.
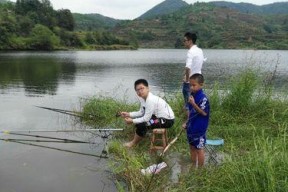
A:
{"points": [[212, 146]]}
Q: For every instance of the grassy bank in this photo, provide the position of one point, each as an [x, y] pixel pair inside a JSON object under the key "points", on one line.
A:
{"points": [[248, 116]]}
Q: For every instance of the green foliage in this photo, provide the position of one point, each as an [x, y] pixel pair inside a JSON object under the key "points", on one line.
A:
{"points": [[65, 19], [93, 22], [166, 7], [262, 168], [127, 165], [241, 93], [217, 27], [273, 8], [43, 38], [103, 110], [20, 29]]}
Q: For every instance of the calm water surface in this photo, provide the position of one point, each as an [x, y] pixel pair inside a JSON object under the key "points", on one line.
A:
{"points": [[60, 79]]}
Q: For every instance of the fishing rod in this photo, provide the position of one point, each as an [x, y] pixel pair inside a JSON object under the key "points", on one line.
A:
{"points": [[43, 141], [67, 112], [54, 138], [59, 149], [22, 133], [58, 131]]}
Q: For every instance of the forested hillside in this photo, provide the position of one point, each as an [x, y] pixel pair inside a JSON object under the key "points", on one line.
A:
{"points": [[274, 8], [217, 27], [92, 22], [35, 25], [166, 7]]}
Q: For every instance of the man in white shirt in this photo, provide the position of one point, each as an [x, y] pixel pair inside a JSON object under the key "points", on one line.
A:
{"points": [[194, 62], [154, 112]]}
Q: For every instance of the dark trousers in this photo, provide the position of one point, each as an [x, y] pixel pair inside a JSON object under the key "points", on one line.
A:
{"points": [[154, 122]]}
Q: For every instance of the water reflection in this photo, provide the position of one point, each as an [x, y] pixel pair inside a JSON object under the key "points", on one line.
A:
{"points": [[37, 75]]}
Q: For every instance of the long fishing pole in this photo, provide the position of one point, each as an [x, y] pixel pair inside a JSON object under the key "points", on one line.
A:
{"points": [[58, 131], [46, 137], [67, 112], [22, 133], [44, 141], [55, 148]]}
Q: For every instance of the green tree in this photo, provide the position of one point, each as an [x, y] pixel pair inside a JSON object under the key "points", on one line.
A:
{"points": [[65, 19], [8, 27], [25, 25], [90, 38], [43, 38]]}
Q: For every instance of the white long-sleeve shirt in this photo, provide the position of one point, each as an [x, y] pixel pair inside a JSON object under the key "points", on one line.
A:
{"points": [[153, 105], [195, 59]]}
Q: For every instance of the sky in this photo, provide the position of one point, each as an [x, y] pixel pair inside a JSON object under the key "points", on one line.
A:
{"points": [[126, 9]]}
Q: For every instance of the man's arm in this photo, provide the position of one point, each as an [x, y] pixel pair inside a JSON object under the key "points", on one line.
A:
{"points": [[148, 112], [187, 74]]}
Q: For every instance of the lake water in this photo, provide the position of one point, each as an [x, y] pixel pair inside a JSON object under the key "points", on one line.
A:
{"points": [[60, 79]]}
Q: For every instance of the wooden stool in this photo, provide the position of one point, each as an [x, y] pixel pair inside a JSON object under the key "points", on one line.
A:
{"points": [[159, 140]]}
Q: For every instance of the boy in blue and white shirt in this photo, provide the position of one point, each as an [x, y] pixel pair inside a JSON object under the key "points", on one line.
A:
{"points": [[198, 120]]}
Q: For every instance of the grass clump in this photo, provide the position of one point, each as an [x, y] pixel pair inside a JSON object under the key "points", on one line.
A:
{"points": [[101, 111], [126, 166]]}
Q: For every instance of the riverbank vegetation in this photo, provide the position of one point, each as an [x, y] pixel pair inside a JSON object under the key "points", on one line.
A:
{"points": [[35, 25], [246, 114]]}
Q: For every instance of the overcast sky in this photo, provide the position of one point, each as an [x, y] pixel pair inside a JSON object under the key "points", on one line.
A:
{"points": [[126, 9]]}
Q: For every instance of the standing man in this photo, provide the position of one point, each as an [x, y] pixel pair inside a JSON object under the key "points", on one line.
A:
{"points": [[154, 113], [194, 63]]}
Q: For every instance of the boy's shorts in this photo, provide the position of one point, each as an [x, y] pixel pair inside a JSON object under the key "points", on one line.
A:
{"points": [[197, 141]]}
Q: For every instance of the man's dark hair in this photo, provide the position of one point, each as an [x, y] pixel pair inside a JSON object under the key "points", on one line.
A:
{"points": [[191, 36], [141, 81], [198, 77]]}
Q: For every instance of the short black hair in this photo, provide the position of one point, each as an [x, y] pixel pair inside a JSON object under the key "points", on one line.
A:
{"points": [[141, 81], [198, 77], [191, 36]]}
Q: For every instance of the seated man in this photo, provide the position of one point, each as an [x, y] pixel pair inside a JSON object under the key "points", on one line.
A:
{"points": [[154, 113]]}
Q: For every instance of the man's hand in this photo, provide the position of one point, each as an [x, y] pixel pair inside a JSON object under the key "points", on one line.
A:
{"points": [[128, 120], [124, 114]]}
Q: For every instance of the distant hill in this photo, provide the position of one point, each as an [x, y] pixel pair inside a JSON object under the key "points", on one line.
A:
{"points": [[92, 22], [166, 7], [274, 8], [217, 27]]}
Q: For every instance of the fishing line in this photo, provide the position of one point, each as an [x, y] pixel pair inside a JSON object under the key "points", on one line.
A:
{"points": [[46, 137], [44, 141], [67, 112], [59, 149]]}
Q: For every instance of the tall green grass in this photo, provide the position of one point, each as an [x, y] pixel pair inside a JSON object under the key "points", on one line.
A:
{"points": [[262, 168], [251, 120]]}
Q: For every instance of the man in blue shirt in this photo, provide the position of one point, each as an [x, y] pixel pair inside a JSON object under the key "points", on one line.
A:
{"points": [[198, 120]]}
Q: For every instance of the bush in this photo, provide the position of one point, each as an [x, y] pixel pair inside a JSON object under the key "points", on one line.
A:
{"points": [[43, 38]]}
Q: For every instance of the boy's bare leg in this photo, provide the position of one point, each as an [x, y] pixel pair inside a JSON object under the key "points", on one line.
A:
{"points": [[135, 141], [193, 154], [201, 157]]}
